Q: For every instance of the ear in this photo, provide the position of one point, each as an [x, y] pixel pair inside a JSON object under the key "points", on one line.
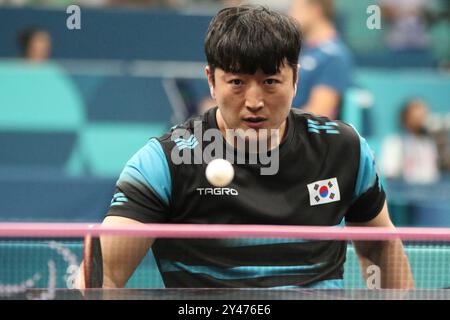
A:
{"points": [[209, 77], [296, 78]]}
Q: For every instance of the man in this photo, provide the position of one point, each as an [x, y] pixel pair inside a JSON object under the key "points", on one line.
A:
{"points": [[252, 56], [418, 154], [406, 24], [325, 63]]}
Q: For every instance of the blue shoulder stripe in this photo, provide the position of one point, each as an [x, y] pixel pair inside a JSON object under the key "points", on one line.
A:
{"points": [[149, 167]]}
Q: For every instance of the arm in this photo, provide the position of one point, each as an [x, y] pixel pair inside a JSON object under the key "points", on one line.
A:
{"points": [[120, 255], [323, 101], [142, 195], [389, 255]]}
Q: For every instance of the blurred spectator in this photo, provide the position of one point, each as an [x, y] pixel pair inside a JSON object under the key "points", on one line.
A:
{"points": [[415, 155], [35, 44], [325, 62], [406, 24], [13, 2], [439, 128]]}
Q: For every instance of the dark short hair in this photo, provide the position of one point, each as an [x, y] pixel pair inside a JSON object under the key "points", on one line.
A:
{"points": [[25, 36], [244, 39]]}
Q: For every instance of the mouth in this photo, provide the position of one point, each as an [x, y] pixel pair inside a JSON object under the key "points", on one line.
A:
{"points": [[254, 122]]}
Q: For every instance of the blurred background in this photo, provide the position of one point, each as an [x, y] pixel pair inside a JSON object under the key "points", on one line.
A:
{"points": [[81, 90]]}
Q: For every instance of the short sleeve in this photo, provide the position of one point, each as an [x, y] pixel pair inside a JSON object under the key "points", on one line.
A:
{"points": [[144, 187], [368, 195], [335, 73]]}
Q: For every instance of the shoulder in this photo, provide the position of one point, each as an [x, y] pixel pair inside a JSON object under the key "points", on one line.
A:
{"points": [[184, 132], [150, 157], [323, 127], [156, 152], [335, 48], [148, 168], [336, 52], [322, 138]]}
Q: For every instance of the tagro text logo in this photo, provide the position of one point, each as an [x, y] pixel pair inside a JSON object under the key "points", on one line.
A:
{"points": [[218, 191]]}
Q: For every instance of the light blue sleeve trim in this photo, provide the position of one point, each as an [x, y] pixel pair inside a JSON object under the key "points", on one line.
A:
{"points": [[149, 167], [367, 172]]}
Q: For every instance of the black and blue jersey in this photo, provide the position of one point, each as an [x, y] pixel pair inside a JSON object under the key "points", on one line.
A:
{"points": [[326, 176]]}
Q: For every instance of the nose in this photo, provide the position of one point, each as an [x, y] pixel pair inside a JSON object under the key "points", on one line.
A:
{"points": [[254, 98]]}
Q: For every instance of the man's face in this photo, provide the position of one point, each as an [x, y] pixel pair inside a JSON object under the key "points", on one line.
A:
{"points": [[416, 116], [40, 47], [257, 101]]}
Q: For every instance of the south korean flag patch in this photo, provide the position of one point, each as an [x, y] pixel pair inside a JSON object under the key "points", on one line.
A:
{"points": [[324, 191]]}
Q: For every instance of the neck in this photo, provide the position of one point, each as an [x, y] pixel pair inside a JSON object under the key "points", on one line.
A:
{"points": [[320, 32]]}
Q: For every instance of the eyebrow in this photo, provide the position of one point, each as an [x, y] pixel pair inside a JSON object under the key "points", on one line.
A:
{"points": [[229, 74]]}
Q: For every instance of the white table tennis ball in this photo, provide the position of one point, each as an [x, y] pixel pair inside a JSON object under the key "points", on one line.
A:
{"points": [[219, 172]]}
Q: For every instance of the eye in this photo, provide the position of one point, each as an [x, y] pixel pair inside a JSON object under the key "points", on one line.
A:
{"points": [[271, 81], [235, 82]]}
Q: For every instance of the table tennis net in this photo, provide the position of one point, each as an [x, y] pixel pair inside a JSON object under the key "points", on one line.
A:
{"points": [[52, 256]]}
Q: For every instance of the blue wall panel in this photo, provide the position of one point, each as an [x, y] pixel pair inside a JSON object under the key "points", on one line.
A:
{"points": [[110, 33]]}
